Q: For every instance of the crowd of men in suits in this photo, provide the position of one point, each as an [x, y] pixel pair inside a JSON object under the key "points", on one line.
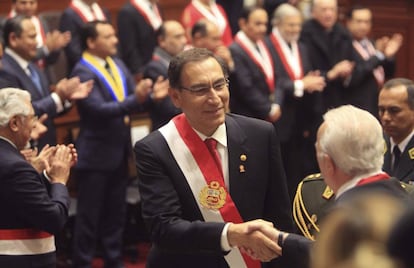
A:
{"points": [[289, 75]]}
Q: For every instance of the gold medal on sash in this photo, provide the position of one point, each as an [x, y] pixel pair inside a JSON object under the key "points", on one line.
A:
{"points": [[213, 196]]}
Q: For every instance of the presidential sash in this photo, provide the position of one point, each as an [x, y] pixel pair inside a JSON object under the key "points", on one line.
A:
{"points": [[205, 180], [291, 58], [88, 14], [214, 15], [25, 242], [262, 59], [151, 16], [366, 54], [115, 83]]}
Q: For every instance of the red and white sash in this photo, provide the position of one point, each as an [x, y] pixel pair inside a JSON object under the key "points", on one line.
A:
{"points": [[151, 16], [25, 242], [291, 58], [214, 15], [377, 72], [199, 169], [262, 59], [94, 12]]}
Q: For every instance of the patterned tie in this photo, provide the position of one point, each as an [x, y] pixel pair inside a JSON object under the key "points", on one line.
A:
{"points": [[34, 75], [212, 147], [397, 153]]}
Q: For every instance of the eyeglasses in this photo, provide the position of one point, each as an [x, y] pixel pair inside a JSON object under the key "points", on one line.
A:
{"points": [[202, 89]]}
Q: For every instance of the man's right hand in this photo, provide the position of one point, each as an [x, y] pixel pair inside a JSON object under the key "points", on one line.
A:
{"points": [[58, 168], [257, 238]]}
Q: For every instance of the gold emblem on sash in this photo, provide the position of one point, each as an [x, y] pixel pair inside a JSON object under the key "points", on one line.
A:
{"points": [[213, 196]]}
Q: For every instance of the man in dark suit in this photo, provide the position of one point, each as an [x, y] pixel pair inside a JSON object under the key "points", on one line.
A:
{"points": [[374, 63], [73, 18], [252, 84], [35, 205], [138, 22], [396, 112], [171, 41], [330, 49], [349, 150], [297, 81], [104, 144], [20, 40], [49, 44], [189, 168]]}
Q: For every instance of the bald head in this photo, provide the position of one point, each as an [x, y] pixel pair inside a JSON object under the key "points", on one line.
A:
{"points": [[325, 12], [171, 37]]}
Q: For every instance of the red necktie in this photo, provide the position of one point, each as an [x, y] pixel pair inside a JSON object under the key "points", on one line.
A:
{"points": [[212, 147]]}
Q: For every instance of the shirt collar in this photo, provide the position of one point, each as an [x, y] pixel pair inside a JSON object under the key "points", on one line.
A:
{"points": [[402, 144], [220, 135], [9, 141], [353, 182], [22, 62]]}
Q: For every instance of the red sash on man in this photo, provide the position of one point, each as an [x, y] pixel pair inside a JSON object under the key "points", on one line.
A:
{"points": [[25, 242], [366, 53], [293, 74], [262, 59], [205, 180], [151, 16], [88, 14]]}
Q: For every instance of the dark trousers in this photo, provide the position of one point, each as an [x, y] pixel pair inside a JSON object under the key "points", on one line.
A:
{"points": [[100, 216]]}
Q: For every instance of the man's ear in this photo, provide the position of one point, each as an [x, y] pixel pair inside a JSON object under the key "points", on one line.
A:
{"points": [[330, 166], [14, 124], [175, 97], [12, 39]]}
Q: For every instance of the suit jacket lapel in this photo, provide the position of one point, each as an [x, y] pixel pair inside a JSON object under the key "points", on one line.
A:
{"points": [[406, 164], [236, 146], [25, 80]]}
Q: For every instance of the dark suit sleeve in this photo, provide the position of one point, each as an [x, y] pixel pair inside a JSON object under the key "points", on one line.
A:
{"points": [[363, 69], [296, 251], [73, 49], [26, 195], [129, 39], [277, 205], [162, 208]]}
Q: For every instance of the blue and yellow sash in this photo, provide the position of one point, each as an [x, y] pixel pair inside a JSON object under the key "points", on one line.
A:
{"points": [[116, 83]]}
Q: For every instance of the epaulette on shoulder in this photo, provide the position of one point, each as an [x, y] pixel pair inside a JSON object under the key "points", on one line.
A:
{"points": [[313, 198]]}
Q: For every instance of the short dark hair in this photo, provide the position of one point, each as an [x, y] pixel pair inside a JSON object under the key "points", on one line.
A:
{"points": [[247, 11], [161, 31], [13, 25], [200, 27], [354, 8], [89, 31], [409, 85], [191, 55]]}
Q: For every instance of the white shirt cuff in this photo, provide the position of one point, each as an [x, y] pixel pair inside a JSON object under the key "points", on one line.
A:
{"points": [[379, 55], [47, 176], [58, 102], [225, 246], [273, 109], [299, 87]]}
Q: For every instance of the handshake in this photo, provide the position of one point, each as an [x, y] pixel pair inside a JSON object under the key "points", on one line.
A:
{"points": [[257, 238]]}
